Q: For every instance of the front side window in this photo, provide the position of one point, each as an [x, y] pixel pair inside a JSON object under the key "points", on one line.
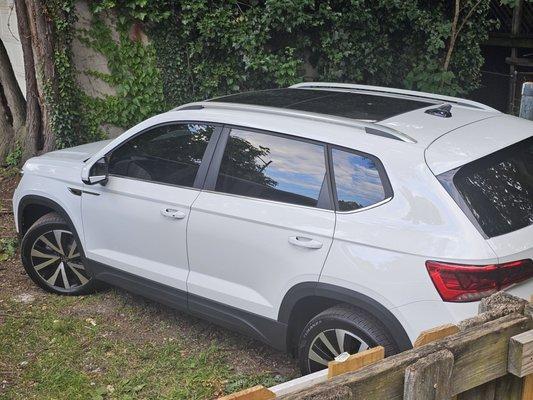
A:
{"points": [[357, 179], [272, 167], [168, 154]]}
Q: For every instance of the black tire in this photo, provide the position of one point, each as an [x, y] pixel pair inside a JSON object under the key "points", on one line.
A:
{"points": [[34, 245], [349, 320]]}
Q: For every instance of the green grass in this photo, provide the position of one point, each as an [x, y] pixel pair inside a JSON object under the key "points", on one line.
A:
{"points": [[54, 355], [8, 248]]}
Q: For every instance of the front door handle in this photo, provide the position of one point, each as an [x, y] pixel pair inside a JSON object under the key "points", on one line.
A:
{"points": [[172, 213], [306, 242]]}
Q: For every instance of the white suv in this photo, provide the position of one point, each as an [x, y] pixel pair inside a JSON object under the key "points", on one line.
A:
{"points": [[322, 218]]}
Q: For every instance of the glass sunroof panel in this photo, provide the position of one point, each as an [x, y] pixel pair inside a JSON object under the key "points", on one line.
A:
{"points": [[360, 106]]}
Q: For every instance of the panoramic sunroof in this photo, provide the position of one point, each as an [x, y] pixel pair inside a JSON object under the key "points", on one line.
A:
{"points": [[362, 106]]}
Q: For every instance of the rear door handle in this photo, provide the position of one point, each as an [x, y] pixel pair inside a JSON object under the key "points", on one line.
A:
{"points": [[306, 242], [172, 213]]}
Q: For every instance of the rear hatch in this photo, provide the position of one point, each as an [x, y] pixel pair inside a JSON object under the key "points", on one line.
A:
{"points": [[487, 168]]}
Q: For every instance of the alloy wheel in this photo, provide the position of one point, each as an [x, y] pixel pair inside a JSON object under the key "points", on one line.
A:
{"points": [[329, 344], [56, 258]]}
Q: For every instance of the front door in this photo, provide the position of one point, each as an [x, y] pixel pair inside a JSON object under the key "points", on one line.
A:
{"points": [[137, 222], [262, 225]]}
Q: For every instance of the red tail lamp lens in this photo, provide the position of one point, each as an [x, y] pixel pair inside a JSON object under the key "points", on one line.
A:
{"points": [[463, 283]]}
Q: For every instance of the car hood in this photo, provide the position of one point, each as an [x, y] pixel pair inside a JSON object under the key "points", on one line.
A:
{"points": [[78, 153]]}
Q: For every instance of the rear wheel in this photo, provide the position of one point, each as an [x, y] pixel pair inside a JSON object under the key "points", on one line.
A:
{"points": [[339, 329], [52, 257]]}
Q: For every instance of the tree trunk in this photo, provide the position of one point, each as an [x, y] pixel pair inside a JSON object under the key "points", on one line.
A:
{"points": [[33, 108], [42, 35], [13, 94], [7, 134]]}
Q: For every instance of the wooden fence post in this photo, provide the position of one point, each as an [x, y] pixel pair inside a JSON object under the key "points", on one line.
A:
{"points": [[429, 377], [356, 361], [437, 333], [526, 104]]}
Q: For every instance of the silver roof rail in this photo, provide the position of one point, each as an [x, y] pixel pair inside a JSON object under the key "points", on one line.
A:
{"points": [[366, 126], [392, 91]]}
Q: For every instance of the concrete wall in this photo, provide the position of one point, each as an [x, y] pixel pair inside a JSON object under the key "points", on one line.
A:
{"points": [[84, 58], [10, 36]]}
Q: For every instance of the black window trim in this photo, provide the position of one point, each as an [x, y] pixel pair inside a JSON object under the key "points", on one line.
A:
{"points": [[325, 199], [446, 180], [204, 164], [385, 182]]}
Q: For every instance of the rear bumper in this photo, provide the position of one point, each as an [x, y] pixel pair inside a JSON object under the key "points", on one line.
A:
{"points": [[421, 315]]}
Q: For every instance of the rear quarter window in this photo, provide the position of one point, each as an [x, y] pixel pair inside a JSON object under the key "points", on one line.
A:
{"points": [[496, 191], [360, 180]]}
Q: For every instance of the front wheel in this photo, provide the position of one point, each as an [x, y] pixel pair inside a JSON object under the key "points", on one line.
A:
{"points": [[52, 257], [339, 329]]}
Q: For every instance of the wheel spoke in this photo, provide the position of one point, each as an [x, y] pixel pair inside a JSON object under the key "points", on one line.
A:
{"points": [[341, 335], [328, 344], [46, 263], [57, 235], [52, 280], [316, 358], [50, 244], [66, 283], [76, 265], [71, 253], [362, 347], [83, 280], [37, 253]]}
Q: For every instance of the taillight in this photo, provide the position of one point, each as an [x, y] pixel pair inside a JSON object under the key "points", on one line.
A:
{"points": [[463, 283]]}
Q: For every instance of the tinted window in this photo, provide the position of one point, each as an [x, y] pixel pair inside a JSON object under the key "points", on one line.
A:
{"points": [[498, 189], [272, 167], [168, 154], [357, 180]]}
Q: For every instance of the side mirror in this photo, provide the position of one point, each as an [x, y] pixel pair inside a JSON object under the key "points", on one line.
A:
{"points": [[98, 173]]}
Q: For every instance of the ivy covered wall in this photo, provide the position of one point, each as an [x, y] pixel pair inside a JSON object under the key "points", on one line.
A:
{"points": [[155, 55]]}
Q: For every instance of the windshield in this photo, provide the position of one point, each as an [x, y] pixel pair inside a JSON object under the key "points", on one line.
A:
{"points": [[496, 191]]}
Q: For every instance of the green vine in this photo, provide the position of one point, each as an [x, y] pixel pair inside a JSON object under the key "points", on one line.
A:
{"points": [[68, 121], [164, 53], [133, 74]]}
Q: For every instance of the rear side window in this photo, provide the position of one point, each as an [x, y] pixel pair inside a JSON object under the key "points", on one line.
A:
{"points": [[498, 189], [359, 180], [272, 167], [168, 154]]}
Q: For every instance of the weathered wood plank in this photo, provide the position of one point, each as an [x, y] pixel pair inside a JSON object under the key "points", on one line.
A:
{"points": [[508, 387], [429, 377], [254, 393], [527, 390], [356, 361], [493, 307], [439, 332], [480, 356], [521, 354]]}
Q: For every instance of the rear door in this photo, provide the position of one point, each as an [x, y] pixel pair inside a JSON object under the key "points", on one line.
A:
{"points": [[262, 224]]}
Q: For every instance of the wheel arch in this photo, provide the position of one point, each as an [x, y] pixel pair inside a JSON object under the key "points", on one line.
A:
{"points": [[40, 206], [315, 297]]}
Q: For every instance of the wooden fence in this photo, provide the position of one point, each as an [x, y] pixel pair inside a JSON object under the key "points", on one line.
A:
{"points": [[487, 357]]}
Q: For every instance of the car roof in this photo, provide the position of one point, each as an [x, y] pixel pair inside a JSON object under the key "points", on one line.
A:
{"points": [[406, 116]]}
